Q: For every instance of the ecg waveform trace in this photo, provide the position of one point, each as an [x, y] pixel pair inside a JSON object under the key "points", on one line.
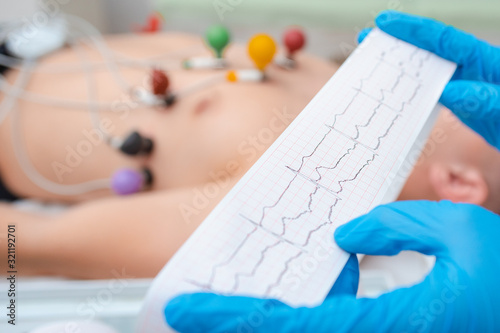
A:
{"points": [[272, 236]]}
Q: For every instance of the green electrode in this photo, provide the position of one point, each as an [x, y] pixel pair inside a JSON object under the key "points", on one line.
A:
{"points": [[218, 38]]}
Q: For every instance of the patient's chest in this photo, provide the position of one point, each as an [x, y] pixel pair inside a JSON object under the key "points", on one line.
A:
{"points": [[221, 129]]}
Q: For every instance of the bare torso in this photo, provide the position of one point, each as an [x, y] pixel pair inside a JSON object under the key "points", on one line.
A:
{"points": [[218, 132], [194, 140]]}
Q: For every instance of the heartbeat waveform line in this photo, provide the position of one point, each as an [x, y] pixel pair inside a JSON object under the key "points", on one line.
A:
{"points": [[336, 164], [329, 221], [224, 263], [381, 100], [297, 172], [345, 109], [413, 54], [283, 239], [374, 69], [414, 94], [404, 103], [356, 175], [309, 210], [386, 132], [267, 264], [352, 139], [272, 233], [424, 59], [356, 94], [395, 85], [254, 270], [341, 183], [314, 150], [410, 76], [312, 153], [376, 100], [360, 89], [202, 286], [421, 64], [356, 127], [315, 183], [416, 76], [287, 263], [277, 201], [291, 181], [395, 47]]}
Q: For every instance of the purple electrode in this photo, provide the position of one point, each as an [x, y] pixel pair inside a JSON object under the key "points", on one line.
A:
{"points": [[127, 181]]}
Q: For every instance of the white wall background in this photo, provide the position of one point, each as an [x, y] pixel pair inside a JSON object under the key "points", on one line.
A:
{"points": [[109, 16], [15, 9]]}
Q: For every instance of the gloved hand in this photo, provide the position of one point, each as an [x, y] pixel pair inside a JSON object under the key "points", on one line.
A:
{"points": [[460, 294], [346, 284], [474, 92]]}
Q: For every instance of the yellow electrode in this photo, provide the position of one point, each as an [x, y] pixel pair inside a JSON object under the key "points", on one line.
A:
{"points": [[231, 76], [261, 49]]}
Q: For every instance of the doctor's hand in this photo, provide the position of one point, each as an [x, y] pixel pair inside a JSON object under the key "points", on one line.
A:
{"points": [[460, 294], [474, 92]]}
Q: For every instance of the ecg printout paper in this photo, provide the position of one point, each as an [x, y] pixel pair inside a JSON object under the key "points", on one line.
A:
{"points": [[348, 151]]}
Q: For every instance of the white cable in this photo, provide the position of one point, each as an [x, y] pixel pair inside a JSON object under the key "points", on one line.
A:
{"points": [[41, 181], [103, 106], [92, 94], [95, 36], [210, 81], [10, 97], [7, 106], [121, 59], [154, 61], [22, 157], [59, 103], [5, 87], [16, 91]]}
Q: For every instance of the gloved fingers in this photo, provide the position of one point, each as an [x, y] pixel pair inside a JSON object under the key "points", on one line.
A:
{"points": [[400, 310], [477, 59], [477, 104], [348, 280], [410, 309], [363, 33], [204, 312], [392, 228], [212, 313], [473, 100]]}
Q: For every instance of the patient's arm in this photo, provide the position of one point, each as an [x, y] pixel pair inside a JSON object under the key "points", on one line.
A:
{"points": [[134, 235], [28, 239]]}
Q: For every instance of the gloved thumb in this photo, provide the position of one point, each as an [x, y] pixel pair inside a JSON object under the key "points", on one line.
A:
{"points": [[363, 33], [399, 226], [472, 99], [477, 104], [348, 280]]}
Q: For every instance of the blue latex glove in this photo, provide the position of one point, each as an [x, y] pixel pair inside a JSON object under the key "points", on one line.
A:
{"points": [[346, 284], [460, 294], [474, 92]]}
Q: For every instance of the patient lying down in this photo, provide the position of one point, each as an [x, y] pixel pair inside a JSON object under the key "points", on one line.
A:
{"points": [[203, 145]]}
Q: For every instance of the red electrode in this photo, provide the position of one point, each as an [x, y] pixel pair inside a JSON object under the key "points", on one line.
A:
{"points": [[153, 24], [159, 82], [294, 40]]}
